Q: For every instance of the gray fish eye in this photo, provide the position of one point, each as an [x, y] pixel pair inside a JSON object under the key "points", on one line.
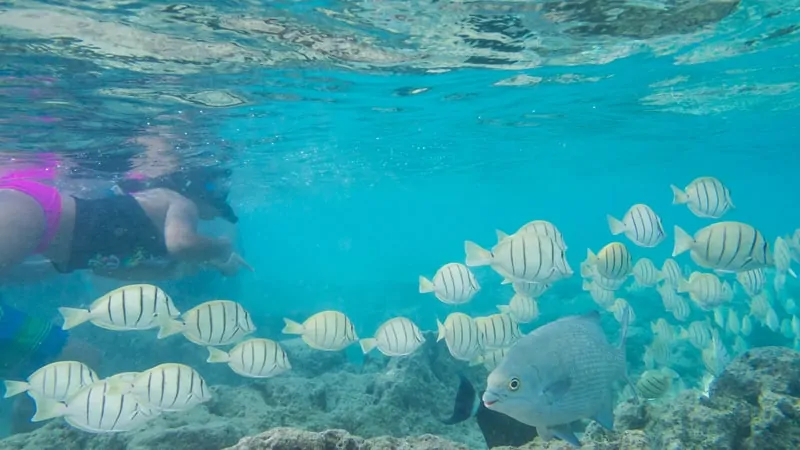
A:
{"points": [[514, 384]]}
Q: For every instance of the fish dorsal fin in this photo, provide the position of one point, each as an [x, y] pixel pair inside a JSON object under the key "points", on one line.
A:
{"points": [[557, 388]]}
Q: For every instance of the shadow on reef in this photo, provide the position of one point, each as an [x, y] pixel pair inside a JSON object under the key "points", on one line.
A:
{"points": [[754, 404]]}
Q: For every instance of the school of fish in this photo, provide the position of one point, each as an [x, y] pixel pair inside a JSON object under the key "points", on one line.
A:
{"points": [[560, 372]]}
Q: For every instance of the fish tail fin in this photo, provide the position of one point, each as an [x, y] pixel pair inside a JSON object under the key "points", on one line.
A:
{"points": [[477, 255], [216, 355], [616, 226], [426, 286], [15, 388], [368, 344], [170, 327], [47, 408], [678, 196], [683, 241], [441, 330], [292, 327], [466, 402], [74, 317]]}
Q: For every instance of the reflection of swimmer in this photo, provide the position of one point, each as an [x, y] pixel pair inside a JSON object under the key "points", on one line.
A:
{"points": [[145, 232], [498, 429]]}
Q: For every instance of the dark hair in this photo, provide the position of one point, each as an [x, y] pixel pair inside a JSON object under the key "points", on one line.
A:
{"points": [[200, 184]]}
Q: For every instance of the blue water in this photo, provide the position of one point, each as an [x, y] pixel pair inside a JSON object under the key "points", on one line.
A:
{"points": [[353, 178]]}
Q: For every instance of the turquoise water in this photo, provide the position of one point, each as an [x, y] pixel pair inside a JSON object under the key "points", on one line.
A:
{"points": [[367, 152]]}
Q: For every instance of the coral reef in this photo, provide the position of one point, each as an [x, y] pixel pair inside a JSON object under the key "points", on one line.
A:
{"points": [[752, 405]]}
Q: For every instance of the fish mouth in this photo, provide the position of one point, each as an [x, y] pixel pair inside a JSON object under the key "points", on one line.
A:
{"points": [[490, 399]]}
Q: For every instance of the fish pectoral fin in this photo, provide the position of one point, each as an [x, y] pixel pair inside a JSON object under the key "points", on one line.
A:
{"points": [[605, 417], [545, 433], [563, 432], [558, 388]]}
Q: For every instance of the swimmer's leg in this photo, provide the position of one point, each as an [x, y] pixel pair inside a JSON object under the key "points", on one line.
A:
{"points": [[22, 225]]}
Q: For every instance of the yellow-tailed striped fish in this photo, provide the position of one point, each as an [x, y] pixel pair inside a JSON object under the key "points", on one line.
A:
{"points": [[681, 309], [133, 307], [671, 272], [490, 358], [521, 308], [589, 271], [253, 358], [94, 410], [218, 322], [327, 330], [603, 297], [783, 257], [620, 308], [56, 381], [641, 225], [653, 384], [524, 257], [660, 352], [733, 325], [542, 227], [705, 197], [663, 330], [462, 336], [771, 320], [698, 333], [725, 247], [612, 261], [453, 284], [645, 273], [532, 290], [166, 387], [747, 325], [753, 281], [498, 330], [706, 290], [395, 337]]}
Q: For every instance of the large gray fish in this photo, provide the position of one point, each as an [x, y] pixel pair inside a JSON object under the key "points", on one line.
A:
{"points": [[559, 373]]}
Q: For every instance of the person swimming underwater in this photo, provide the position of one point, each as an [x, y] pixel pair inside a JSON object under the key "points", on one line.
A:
{"points": [[141, 233]]}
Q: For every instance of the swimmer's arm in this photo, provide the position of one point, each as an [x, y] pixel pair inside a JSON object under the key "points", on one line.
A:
{"points": [[181, 237]]}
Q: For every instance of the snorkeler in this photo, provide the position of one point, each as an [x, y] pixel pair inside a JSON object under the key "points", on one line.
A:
{"points": [[144, 232]]}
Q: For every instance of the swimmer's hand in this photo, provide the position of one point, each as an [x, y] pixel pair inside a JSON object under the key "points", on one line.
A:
{"points": [[232, 265]]}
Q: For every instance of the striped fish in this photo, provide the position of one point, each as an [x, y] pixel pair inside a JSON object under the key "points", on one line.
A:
{"points": [[612, 261], [453, 284], [645, 273], [603, 297], [395, 337], [610, 284], [705, 197], [653, 384], [671, 272], [93, 409], [532, 290], [462, 336], [166, 387], [725, 247], [733, 325], [133, 307], [56, 381], [253, 358], [753, 281], [542, 227], [327, 330], [498, 330], [706, 290], [525, 257], [490, 358], [218, 322], [698, 333], [521, 308], [640, 224], [783, 257]]}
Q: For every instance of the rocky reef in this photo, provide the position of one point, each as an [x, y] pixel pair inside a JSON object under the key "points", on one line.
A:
{"points": [[396, 404]]}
